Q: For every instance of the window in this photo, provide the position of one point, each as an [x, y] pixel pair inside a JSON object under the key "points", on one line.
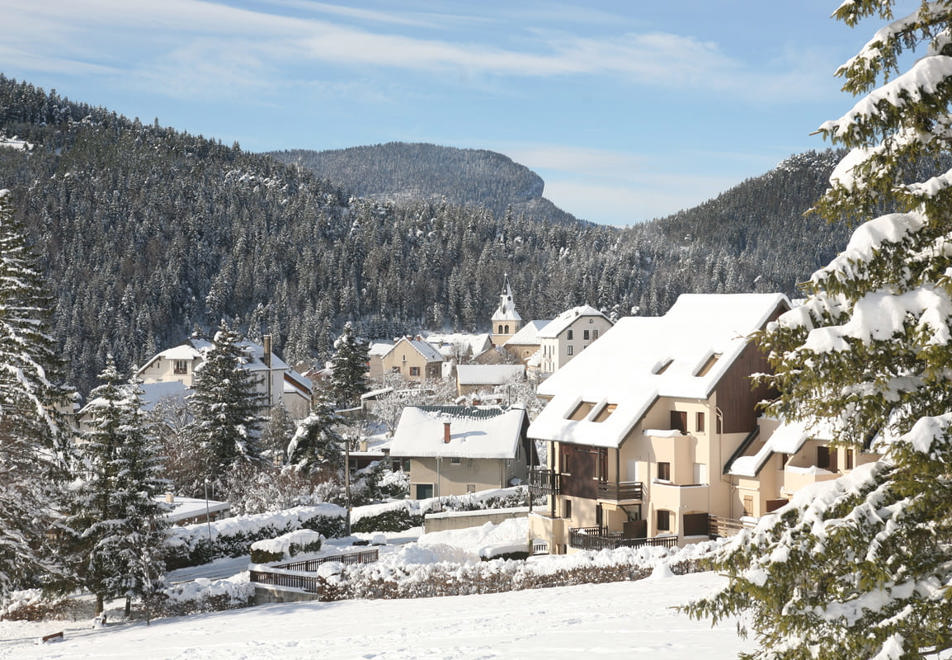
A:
{"points": [[499, 332], [570, 350], [748, 505], [664, 471], [424, 491], [395, 370], [664, 520], [605, 412], [585, 335], [405, 465], [706, 367], [181, 367], [455, 460], [699, 422], [566, 508], [581, 411], [507, 330], [570, 335], [826, 458], [594, 334], [470, 488], [414, 371], [849, 459], [679, 421]]}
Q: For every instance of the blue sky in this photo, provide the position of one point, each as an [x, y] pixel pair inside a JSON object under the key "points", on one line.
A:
{"points": [[629, 110]]}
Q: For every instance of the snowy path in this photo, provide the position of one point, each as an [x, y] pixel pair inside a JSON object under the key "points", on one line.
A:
{"points": [[607, 620]]}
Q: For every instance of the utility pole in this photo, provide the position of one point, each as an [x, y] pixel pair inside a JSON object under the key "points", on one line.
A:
{"points": [[347, 483]]}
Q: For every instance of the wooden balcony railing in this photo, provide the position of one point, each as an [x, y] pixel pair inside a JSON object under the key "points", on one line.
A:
{"points": [[292, 574], [543, 481], [599, 538], [721, 526], [621, 490]]}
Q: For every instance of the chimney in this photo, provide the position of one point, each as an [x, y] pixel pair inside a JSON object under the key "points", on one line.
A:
{"points": [[267, 350], [446, 433]]}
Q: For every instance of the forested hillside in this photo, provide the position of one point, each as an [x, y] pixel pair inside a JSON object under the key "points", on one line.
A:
{"points": [[403, 172], [150, 232]]}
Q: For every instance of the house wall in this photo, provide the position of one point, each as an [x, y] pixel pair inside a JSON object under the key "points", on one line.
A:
{"points": [[161, 370], [556, 349], [297, 404], [481, 473], [404, 357], [522, 352]]}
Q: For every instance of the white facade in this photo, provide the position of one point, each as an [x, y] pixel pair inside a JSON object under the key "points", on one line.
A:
{"points": [[569, 334]]}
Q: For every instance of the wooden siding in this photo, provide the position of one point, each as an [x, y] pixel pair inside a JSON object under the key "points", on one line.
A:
{"points": [[578, 471], [735, 396]]}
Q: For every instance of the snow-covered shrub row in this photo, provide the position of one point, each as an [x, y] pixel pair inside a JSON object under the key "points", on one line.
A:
{"points": [[204, 595], [201, 543], [31, 605], [396, 576], [286, 546], [401, 515]]}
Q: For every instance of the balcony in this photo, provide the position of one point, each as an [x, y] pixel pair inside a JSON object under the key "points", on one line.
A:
{"points": [[543, 481], [721, 526], [621, 491], [600, 538]]}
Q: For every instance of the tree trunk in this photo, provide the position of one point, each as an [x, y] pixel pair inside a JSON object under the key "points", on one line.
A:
{"points": [[100, 605]]}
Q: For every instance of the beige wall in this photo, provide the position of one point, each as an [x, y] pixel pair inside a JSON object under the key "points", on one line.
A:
{"points": [[502, 331], [404, 358], [480, 473], [440, 522]]}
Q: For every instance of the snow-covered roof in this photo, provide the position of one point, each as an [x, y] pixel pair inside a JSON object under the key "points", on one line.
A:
{"points": [[555, 327], [429, 353], [788, 438], [379, 348], [197, 348], [488, 374], [507, 306], [474, 432], [681, 354], [152, 393], [446, 343], [528, 334], [183, 508]]}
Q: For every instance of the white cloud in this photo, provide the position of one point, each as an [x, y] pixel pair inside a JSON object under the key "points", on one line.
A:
{"points": [[277, 41]]}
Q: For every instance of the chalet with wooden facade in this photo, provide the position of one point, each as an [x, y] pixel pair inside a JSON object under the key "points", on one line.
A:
{"points": [[642, 424]]}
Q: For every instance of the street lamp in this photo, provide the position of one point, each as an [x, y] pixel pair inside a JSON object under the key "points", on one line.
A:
{"points": [[208, 523]]}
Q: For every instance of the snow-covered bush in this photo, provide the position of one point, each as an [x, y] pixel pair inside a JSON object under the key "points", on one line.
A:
{"points": [[230, 537], [32, 605], [204, 595], [286, 546]]}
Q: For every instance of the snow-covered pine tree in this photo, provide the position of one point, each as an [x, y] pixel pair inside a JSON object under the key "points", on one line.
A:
{"points": [[95, 519], [139, 482], [225, 404], [863, 567], [316, 445], [349, 379], [33, 448]]}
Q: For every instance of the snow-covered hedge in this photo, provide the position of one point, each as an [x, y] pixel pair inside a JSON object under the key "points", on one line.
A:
{"points": [[230, 537], [204, 595], [396, 576], [286, 546], [32, 605]]}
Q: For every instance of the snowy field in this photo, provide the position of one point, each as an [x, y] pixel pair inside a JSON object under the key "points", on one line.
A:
{"points": [[606, 620]]}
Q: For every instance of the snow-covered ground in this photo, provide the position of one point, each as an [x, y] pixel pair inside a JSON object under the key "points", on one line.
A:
{"points": [[606, 620]]}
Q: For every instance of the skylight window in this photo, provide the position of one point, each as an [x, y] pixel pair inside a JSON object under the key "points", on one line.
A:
{"points": [[581, 411], [605, 412]]}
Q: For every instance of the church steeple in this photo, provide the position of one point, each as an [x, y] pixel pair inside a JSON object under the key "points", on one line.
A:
{"points": [[505, 320]]}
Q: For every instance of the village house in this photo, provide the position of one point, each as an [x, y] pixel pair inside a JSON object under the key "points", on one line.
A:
{"points": [[473, 378], [454, 450], [276, 383], [375, 353], [568, 334], [644, 423], [414, 360], [526, 343]]}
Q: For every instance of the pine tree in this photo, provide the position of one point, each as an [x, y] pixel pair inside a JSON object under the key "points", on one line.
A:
{"points": [[225, 405], [862, 568], [33, 449], [316, 445], [139, 482], [96, 519], [349, 378]]}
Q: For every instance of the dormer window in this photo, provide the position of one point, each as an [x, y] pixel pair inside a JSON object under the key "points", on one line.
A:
{"points": [[708, 365], [581, 411]]}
